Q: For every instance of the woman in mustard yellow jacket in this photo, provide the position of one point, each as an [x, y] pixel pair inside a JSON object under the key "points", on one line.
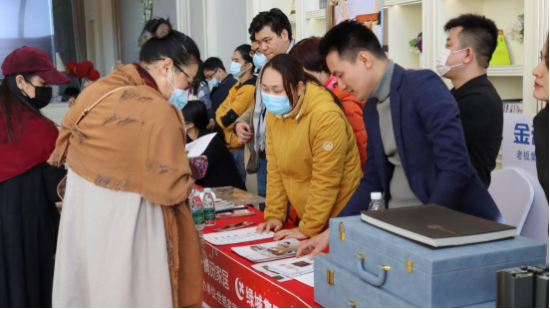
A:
{"points": [[313, 160], [240, 98]]}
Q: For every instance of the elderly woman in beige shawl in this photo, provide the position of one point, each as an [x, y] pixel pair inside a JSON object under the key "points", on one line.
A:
{"points": [[127, 238]]}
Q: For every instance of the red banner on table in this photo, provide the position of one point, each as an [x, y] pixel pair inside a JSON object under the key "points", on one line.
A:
{"points": [[231, 282]]}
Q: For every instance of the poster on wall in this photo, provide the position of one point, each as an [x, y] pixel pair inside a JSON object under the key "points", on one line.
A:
{"points": [[366, 12], [518, 152]]}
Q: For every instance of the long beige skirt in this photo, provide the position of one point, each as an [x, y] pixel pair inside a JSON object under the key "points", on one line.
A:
{"points": [[111, 250]]}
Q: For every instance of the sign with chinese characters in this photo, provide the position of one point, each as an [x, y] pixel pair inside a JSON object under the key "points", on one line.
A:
{"points": [[229, 284], [519, 140], [518, 152]]}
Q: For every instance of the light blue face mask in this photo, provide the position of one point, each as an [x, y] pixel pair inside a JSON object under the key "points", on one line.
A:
{"points": [[259, 60], [178, 97], [214, 82], [276, 104], [235, 69]]}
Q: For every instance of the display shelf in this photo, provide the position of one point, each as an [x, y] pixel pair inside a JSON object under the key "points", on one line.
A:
{"points": [[502, 12], [315, 27], [505, 70], [403, 23], [316, 14], [292, 18], [389, 3], [404, 19], [508, 87]]}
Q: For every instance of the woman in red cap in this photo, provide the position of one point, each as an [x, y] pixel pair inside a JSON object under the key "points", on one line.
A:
{"points": [[29, 219]]}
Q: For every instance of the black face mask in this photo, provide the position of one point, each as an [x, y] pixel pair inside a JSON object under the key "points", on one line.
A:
{"points": [[42, 96]]}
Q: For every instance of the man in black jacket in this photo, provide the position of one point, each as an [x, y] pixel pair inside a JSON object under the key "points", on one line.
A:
{"points": [[470, 45], [219, 80]]}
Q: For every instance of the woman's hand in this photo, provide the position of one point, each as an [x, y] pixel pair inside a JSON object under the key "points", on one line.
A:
{"points": [[314, 245], [243, 132], [292, 233], [270, 225]]}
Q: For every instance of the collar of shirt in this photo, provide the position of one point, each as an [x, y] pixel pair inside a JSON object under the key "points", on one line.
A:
{"points": [[382, 91], [292, 43], [472, 84], [228, 77]]}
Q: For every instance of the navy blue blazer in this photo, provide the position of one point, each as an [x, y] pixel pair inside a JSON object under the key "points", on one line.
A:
{"points": [[431, 144]]}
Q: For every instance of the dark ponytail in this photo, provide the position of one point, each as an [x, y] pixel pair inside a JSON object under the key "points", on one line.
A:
{"points": [[168, 43], [293, 73], [244, 50]]}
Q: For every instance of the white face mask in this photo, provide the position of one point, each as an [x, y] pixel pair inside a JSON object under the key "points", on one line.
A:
{"points": [[441, 61]]}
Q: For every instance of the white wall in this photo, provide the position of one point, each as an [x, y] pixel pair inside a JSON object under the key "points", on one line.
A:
{"points": [[131, 24], [197, 32], [164, 9], [216, 26], [227, 38], [130, 29]]}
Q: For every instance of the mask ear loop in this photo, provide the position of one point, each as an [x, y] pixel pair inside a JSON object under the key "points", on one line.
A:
{"points": [[457, 51], [246, 69], [28, 82]]}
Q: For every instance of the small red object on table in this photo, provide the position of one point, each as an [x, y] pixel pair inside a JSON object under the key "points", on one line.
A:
{"points": [[231, 282]]}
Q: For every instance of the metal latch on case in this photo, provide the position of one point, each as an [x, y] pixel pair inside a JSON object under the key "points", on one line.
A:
{"points": [[342, 230], [330, 277], [409, 265]]}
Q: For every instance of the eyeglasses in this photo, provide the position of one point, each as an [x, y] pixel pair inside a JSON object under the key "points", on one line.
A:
{"points": [[194, 80], [255, 52], [210, 76]]}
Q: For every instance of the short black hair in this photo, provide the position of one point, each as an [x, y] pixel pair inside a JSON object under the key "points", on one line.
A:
{"points": [[478, 32], [244, 50], [349, 38], [196, 113], [275, 19], [166, 42], [213, 63]]}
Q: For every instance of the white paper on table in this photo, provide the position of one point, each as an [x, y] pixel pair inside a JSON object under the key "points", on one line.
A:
{"points": [[306, 279], [237, 236], [197, 147], [293, 267], [276, 276], [269, 251]]}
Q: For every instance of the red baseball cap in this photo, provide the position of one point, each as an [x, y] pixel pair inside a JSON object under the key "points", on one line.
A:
{"points": [[33, 60]]}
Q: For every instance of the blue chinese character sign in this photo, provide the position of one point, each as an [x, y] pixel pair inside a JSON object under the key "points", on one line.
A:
{"points": [[518, 147]]}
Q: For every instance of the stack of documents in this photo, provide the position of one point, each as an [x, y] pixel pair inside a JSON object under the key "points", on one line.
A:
{"points": [[300, 269], [237, 236], [270, 251]]}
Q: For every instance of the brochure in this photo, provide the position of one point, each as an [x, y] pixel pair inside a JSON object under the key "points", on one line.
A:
{"points": [[270, 251]]}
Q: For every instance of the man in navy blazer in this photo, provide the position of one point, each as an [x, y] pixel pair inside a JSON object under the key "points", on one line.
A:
{"points": [[425, 160], [426, 124]]}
